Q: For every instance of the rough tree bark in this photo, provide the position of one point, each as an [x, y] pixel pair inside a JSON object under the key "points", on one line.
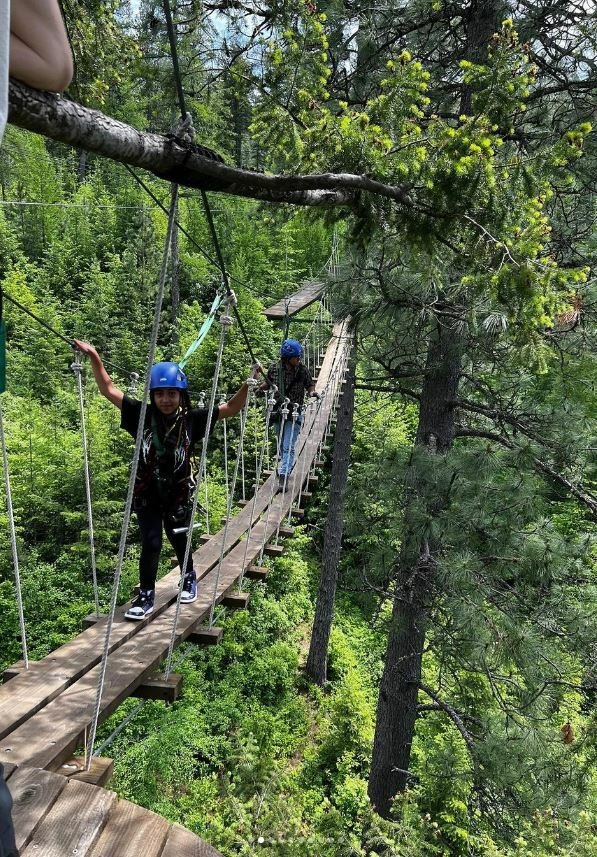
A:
{"points": [[173, 160], [398, 694], [332, 539]]}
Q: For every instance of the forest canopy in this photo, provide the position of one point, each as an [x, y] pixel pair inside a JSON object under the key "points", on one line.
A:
{"points": [[445, 152]]}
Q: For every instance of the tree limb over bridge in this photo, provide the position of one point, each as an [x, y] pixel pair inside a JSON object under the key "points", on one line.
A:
{"points": [[171, 159]]}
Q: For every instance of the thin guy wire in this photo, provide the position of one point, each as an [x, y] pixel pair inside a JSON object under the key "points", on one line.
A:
{"points": [[276, 467], [13, 542], [131, 486], [270, 404], [77, 369]]}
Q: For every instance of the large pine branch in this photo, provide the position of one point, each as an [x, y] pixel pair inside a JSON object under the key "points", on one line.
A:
{"points": [[71, 123]]}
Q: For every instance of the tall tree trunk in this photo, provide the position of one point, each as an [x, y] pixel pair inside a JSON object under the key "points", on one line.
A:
{"points": [[332, 539], [397, 706]]}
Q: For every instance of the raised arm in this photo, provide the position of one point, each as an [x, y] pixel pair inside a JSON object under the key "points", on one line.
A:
{"points": [[234, 405], [40, 54], [104, 383]]}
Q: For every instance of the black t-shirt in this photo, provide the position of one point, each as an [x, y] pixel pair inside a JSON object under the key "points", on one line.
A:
{"points": [[164, 474]]}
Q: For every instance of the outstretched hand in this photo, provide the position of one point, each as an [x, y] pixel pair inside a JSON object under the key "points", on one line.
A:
{"points": [[256, 370], [84, 347]]}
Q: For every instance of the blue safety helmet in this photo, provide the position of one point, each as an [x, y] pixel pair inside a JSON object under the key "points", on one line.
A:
{"points": [[167, 375], [291, 348]]}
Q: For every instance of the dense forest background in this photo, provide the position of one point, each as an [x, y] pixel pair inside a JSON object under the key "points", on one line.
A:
{"points": [[460, 679]]}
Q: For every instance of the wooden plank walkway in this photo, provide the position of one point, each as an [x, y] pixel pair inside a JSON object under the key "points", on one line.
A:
{"points": [[55, 817], [309, 292], [46, 711]]}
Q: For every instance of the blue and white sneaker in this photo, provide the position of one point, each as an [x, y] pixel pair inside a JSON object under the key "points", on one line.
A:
{"points": [[142, 606], [189, 588]]}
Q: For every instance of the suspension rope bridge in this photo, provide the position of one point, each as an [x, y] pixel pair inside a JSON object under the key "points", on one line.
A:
{"points": [[47, 709]]}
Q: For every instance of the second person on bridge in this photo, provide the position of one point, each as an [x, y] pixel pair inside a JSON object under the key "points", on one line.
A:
{"points": [[164, 482]]}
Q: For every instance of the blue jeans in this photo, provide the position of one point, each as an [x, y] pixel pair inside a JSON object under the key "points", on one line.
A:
{"points": [[287, 444]]}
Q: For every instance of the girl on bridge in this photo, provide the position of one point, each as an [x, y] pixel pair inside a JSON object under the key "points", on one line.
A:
{"points": [[164, 481]]}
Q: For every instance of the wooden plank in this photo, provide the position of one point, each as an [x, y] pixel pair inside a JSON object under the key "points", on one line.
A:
{"points": [[257, 572], [131, 831], [8, 769], [273, 550], [158, 686], [58, 836], [286, 532], [206, 636], [183, 843], [16, 669], [34, 792], [236, 600], [100, 770], [310, 291], [90, 620]]}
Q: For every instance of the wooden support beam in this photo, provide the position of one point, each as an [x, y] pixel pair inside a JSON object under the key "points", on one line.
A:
{"points": [[204, 636], [204, 538], [274, 550], [236, 600], [90, 620], [306, 495], [299, 513], [99, 773], [257, 572], [287, 532], [243, 503], [160, 686], [313, 480]]}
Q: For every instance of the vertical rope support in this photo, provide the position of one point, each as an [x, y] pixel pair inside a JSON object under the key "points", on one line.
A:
{"points": [[13, 542], [284, 412], [241, 448], [311, 424], [203, 475], [251, 383], [293, 432], [77, 368], [225, 427], [226, 323], [131, 486], [268, 413], [294, 475]]}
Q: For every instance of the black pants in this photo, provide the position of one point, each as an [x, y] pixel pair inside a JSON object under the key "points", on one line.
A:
{"points": [[7, 834], [151, 519]]}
